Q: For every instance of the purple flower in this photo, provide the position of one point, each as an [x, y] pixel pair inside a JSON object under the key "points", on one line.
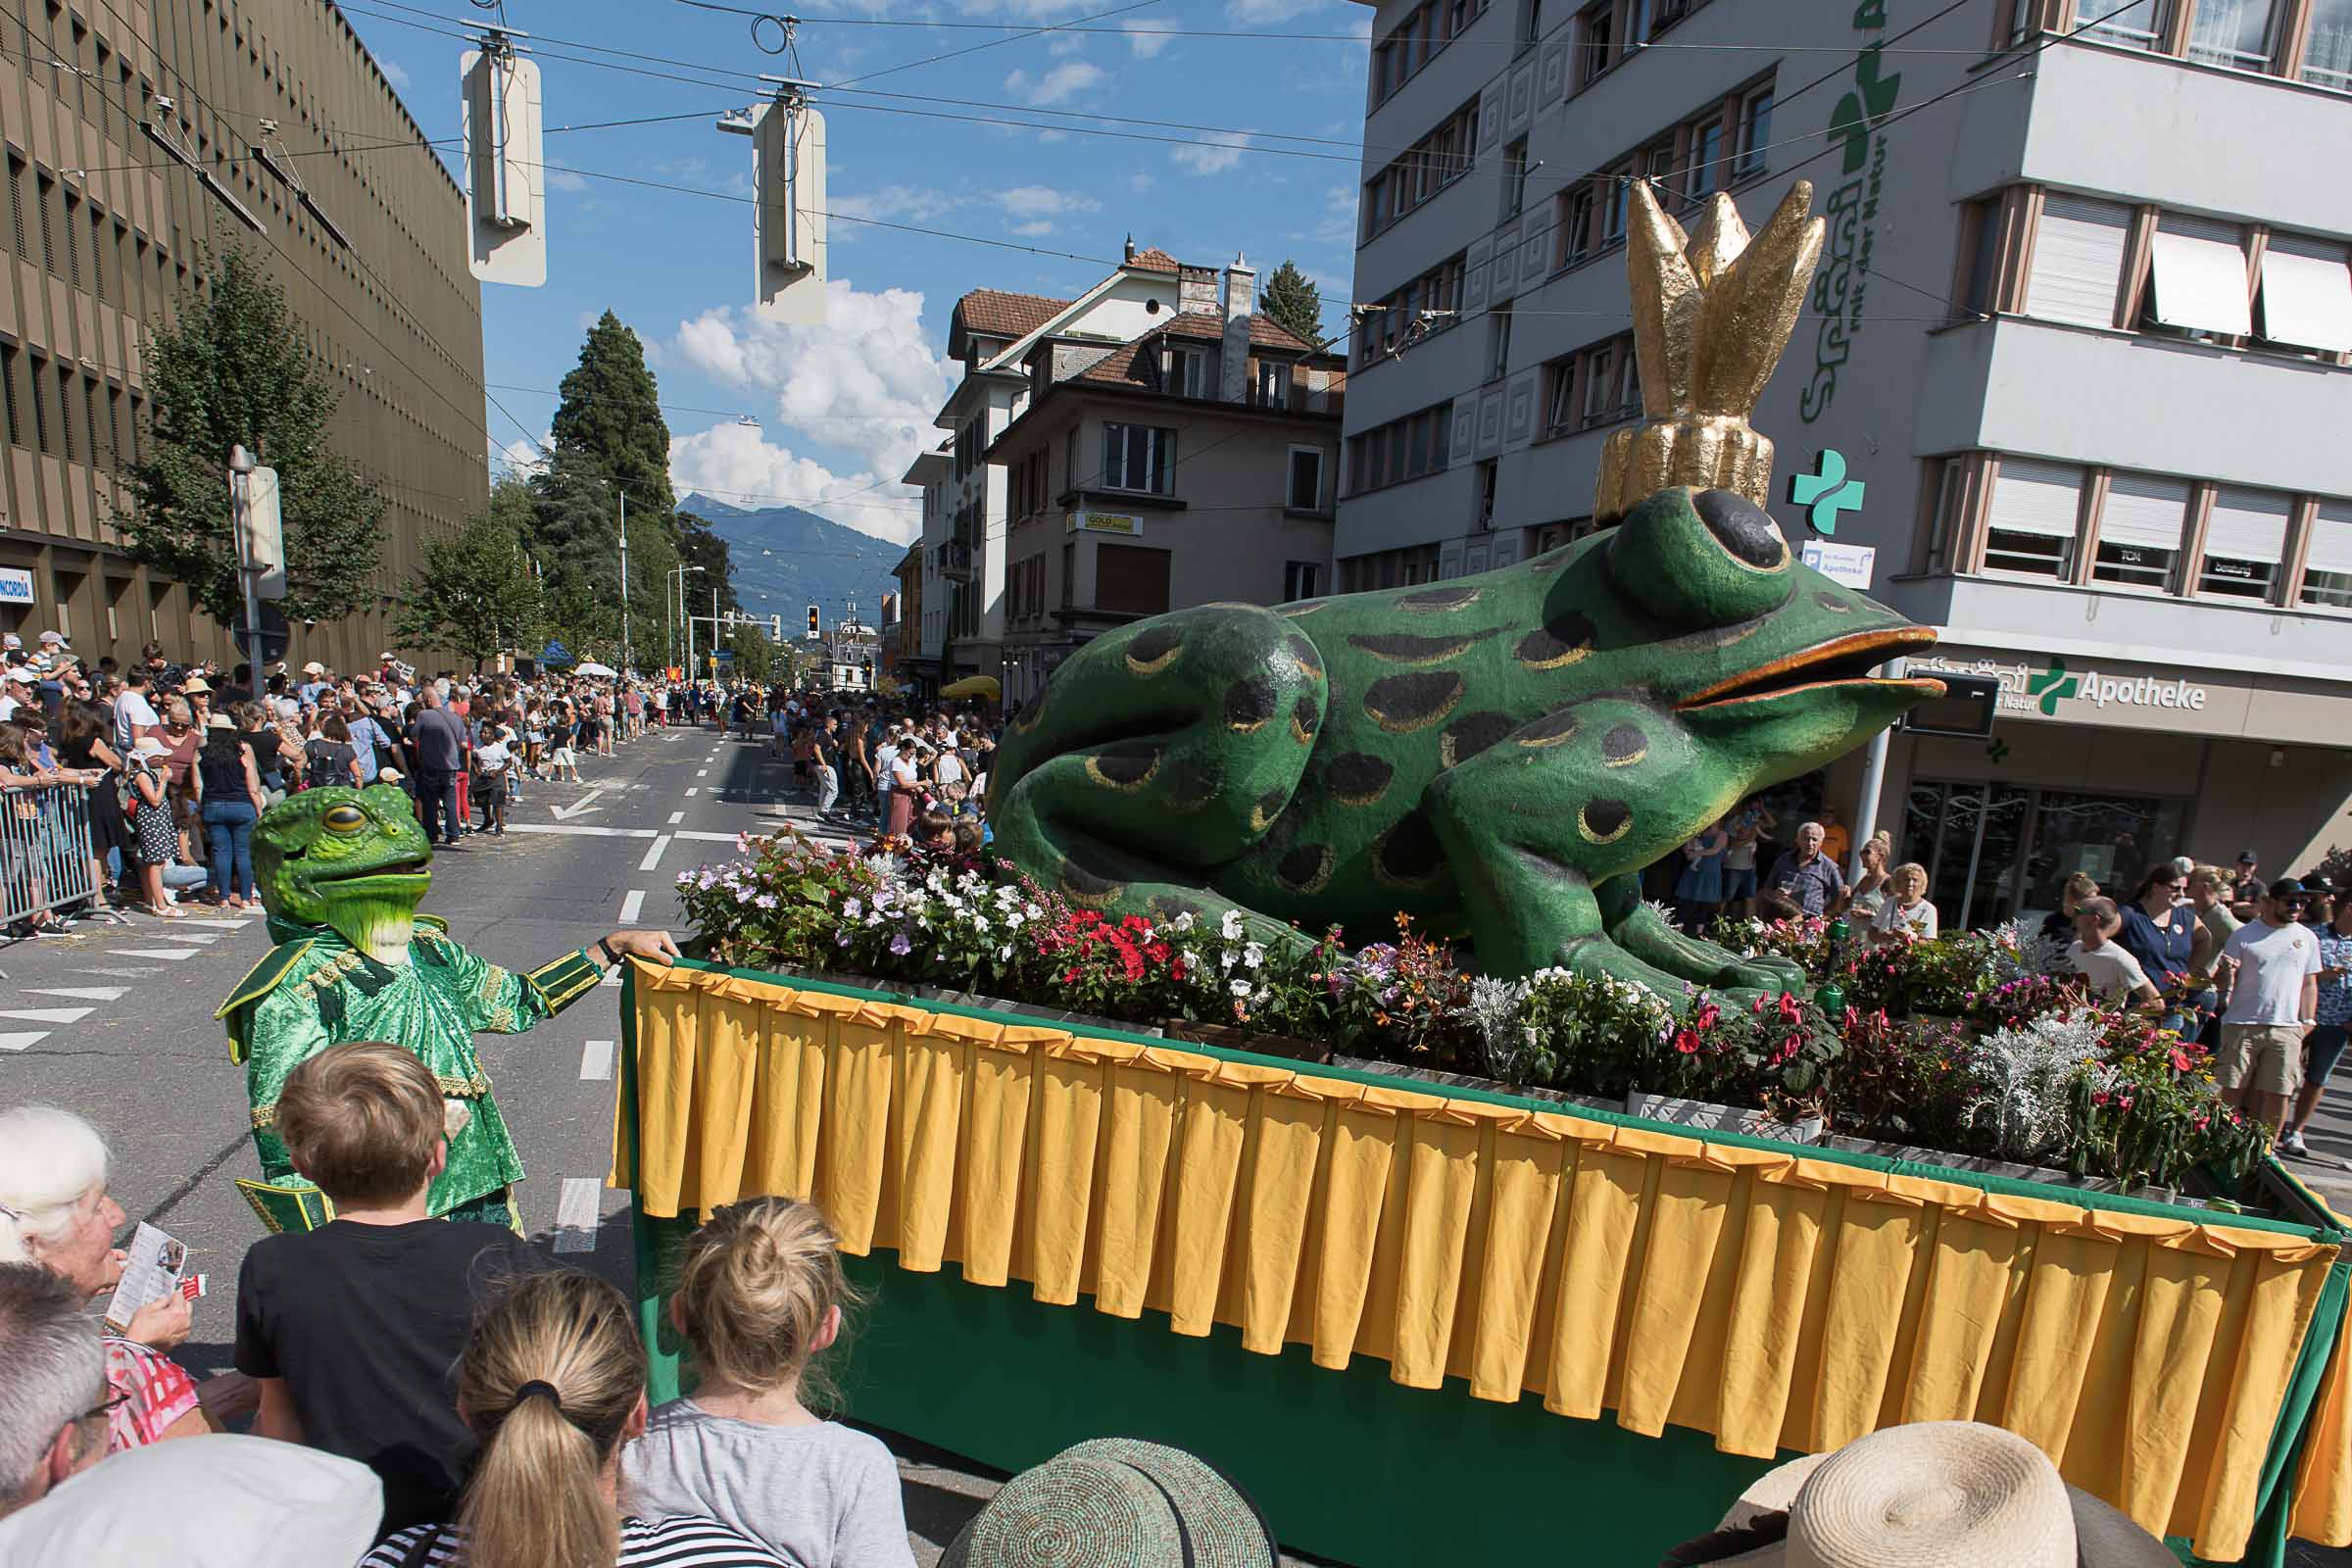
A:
{"points": [[900, 946]]}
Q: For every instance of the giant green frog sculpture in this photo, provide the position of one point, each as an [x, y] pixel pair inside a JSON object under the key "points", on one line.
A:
{"points": [[1499, 754]]}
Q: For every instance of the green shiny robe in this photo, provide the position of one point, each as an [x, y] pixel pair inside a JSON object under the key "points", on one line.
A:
{"points": [[316, 989]]}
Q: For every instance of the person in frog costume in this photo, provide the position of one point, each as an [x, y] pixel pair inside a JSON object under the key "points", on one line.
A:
{"points": [[341, 873]]}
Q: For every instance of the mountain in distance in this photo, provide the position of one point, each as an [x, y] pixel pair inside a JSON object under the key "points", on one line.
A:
{"points": [[809, 560]]}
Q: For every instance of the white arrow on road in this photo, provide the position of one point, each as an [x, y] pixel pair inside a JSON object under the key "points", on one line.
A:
{"points": [[564, 813]]}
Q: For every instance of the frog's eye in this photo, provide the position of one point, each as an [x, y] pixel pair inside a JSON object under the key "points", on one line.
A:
{"points": [[344, 818], [1702, 559]]}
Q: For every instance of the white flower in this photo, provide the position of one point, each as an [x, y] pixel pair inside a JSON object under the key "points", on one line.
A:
{"points": [[1239, 987], [853, 909], [1229, 957], [1005, 955], [1184, 920], [1254, 955], [1230, 928], [1012, 919]]}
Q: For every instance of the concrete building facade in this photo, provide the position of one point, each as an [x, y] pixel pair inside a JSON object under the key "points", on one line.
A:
{"points": [[2081, 326], [140, 132]]}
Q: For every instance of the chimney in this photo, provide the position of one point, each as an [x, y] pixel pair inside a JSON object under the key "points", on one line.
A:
{"points": [[1130, 256], [1240, 300]]}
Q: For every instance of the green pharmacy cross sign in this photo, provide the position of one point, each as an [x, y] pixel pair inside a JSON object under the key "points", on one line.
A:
{"points": [[1826, 492], [2051, 684]]}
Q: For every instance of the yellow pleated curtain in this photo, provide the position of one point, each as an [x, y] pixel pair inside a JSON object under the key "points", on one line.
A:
{"points": [[1774, 1300]]}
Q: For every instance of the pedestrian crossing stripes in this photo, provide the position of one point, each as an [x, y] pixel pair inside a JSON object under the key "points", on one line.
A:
{"points": [[576, 1214], [595, 1062], [80, 993], [46, 1014], [168, 955], [23, 1042]]}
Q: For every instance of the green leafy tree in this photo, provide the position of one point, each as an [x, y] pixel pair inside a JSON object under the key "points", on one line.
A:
{"points": [[232, 369], [477, 593], [754, 654], [699, 545], [1293, 301]]}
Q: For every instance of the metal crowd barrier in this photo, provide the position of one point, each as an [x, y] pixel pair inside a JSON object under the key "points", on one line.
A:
{"points": [[44, 851]]}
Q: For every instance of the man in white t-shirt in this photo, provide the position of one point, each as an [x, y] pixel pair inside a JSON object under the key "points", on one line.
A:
{"points": [[2272, 1006], [2114, 974], [134, 714]]}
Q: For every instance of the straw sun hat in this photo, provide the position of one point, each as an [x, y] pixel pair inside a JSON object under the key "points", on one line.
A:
{"points": [[1116, 1502], [1933, 1494]]}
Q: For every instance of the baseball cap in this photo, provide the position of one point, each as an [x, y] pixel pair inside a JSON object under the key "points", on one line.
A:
{"points": [[2248, 857], [54, 639], [2286, 887], [10, 640], [18, 674], [313, 667]]}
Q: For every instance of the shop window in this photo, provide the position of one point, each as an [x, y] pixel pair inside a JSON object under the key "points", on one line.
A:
{"points": [[2033, 520], [2245, 539], [2077, 260], [2327, 562], [2139, 530]]}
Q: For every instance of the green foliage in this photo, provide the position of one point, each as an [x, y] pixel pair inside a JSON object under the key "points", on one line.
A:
{"points": [[698, 546], [754, 653], [477, 594], [232, 368], [1290, 299], [612, 411]]}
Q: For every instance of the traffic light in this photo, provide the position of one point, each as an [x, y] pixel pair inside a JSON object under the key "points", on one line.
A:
{"points": [[505, 193], [813, 621]]}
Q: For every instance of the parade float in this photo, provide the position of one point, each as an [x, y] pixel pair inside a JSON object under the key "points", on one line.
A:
{"points": [[1535, 1227]]}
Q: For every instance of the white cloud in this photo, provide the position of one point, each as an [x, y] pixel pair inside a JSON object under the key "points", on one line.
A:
{"points": [[865, 384], [566, 179], [1336, 225], [1258, 11], [891, 204], [738, 464], [1218, 152], [1062, 44], [1043, 202], [1058, 86], [1139, 182], [1033, 229], [392, 72], [1144, 44]]}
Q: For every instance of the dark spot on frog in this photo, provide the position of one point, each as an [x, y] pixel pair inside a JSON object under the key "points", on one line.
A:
{"points": [[1405, 647], [1429, 600], [1199, 781], [1269, 806], [1550, 730], [1471, 734], [1835, 605], [1124, 765], [1409, 852], [1562, 640], [1623, 746], [1741, 527], [1084, 881], [1604, 822], [1306, 869], [1358, 778], [1249, 702], [1403, 703], [1166, 907], [1305, 653], [1154, 649], [1304, 718]]}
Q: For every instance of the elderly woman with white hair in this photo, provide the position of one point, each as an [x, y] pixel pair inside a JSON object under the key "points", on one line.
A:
{"points": [[55, 1210]]}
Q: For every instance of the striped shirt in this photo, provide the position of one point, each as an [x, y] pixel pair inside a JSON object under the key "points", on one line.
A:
{"points": [[682, 1541]]}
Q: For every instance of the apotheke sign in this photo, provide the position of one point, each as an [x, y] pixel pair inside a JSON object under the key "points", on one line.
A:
{"points": [[2038, 692]]}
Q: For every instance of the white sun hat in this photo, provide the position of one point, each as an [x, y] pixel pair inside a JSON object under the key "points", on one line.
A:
{"points": [[1932, 1494]]}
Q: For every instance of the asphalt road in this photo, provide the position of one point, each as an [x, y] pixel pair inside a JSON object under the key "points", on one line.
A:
{"points": [[116, 1022]]}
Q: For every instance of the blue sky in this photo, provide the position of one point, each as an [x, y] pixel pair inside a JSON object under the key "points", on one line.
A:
{"points": [[843, 407]]}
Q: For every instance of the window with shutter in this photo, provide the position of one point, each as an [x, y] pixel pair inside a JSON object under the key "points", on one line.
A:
{"points": [[2199, 281], [2307, 293], [2245, 539], [2139, 530], [2328, 559], [2032, 522], [2077, 260]]}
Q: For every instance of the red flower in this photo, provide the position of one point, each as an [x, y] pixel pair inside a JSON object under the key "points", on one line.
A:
{"points": [[1157, 951], [1707, 1016], [1070, 979], [2182, 1060], [1687, 1042], [1176, 970]]}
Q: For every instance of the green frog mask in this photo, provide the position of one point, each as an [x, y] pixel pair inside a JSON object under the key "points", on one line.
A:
{"points": [[356, 861]]}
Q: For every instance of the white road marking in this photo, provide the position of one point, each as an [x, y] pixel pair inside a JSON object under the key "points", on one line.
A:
{"points": [[23, 1041], [692, 791], [216, 925], [169, 954], [584, 804], [630, 906], [676, 817], [704, 774], [135, 974], [47, 1014], [611, 977], [584, 830], [202, 938], [595, 1062], [80, 993], [653, 857], [577, 1215]]}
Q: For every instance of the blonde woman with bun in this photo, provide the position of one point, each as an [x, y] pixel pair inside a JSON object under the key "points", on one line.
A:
{"points": [[553, 1385], [760, 1297]]}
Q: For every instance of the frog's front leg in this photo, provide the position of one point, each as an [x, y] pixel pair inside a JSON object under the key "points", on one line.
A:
{"points": [[1538, 822], [1637, 925]]}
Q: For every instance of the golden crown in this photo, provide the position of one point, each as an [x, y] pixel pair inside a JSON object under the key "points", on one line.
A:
{"points": [[1712, 311]]}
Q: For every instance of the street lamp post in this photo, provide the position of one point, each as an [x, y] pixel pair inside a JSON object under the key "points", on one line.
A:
{"points": [[681, 574]]}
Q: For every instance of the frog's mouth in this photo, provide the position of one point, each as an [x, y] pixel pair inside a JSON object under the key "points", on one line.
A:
{"points": [[392, 877], [1841, 663]]}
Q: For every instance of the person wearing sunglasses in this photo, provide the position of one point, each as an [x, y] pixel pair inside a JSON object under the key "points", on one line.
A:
{"points": [[2272, 1006], [2160, 931]]}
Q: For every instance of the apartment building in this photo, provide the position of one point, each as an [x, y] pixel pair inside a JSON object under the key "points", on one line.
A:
{"points": [[139, 133], [1188, 354], [2081, 326]]}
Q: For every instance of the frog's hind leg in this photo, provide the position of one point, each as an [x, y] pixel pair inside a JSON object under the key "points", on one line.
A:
{"points": [[1161, 753]]}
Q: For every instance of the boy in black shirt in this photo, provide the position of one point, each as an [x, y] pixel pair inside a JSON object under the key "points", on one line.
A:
{"points": [[351, 1331]]}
